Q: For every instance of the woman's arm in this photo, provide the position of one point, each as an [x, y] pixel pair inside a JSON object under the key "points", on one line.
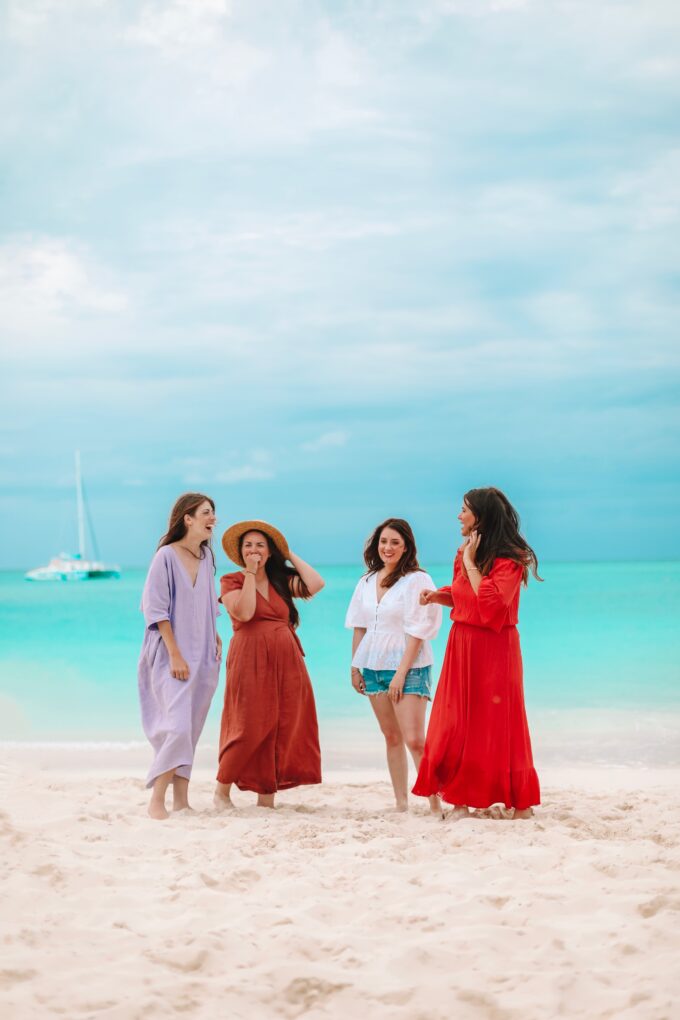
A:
{"points": [[241, 604], [313, 581], [178, 665], [396, 688], [356, 677], [440, 597], [469, 561]]}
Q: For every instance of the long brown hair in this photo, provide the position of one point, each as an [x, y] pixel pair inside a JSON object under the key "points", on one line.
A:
{"points": [[498, 525], [279, 575], [188, 503], [409, 560]]}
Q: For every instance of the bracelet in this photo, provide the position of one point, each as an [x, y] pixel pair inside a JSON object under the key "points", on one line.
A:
{"points": [[476, 570]]}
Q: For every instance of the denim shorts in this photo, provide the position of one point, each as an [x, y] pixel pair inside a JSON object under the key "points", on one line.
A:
{"points": [[418, 681]]}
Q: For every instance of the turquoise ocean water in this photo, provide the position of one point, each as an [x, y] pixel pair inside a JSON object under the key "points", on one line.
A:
{"points": [[601, 645]]}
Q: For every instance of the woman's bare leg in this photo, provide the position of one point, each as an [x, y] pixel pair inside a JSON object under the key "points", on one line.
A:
{"points": [[265, 800], [180, 793], [156, 807], [410, 714], [222, 796], [394, 745]]}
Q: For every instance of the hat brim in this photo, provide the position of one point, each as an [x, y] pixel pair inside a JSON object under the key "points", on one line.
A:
{"points": [[232, 537]]}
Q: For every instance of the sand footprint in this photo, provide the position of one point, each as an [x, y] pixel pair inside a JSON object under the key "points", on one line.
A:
{"points": [[653, 906], [307, 993]]}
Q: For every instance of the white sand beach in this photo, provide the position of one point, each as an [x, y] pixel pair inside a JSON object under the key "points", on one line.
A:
{"points": [[331, 906]]}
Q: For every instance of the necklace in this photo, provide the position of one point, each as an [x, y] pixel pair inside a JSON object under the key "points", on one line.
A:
{"points": [[180, 546]]}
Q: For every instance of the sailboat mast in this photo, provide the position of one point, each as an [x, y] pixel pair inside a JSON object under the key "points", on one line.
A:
{"points": [[81, 510]]}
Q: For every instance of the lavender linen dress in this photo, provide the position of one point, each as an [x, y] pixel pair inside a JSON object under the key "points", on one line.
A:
{"points": [[174, 711]]}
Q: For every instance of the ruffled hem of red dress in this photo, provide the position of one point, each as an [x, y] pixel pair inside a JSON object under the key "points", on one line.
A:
{"points": [[519, 790]]}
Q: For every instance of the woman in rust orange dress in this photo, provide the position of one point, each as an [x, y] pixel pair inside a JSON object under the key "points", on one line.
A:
{"points": [[478, 750], [269, 738]]}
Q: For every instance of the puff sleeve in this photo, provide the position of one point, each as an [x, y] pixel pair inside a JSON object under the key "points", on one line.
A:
{"points": [[158, 594], [497, 591], [421, 621], [231, 582], [357, 612]]}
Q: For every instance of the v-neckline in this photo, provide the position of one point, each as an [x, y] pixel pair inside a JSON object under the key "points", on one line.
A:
{"points": [[378, 601], [258, 592], [184, 569]]}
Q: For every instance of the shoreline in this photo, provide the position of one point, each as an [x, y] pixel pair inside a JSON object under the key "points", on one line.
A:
{"points": [[561, 738]]}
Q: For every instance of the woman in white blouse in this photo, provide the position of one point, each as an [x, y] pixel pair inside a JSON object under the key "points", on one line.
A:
{"points": [[391, 651]]}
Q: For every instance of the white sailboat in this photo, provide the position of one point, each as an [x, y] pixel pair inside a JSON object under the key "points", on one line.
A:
{"points": [[75, 567]]}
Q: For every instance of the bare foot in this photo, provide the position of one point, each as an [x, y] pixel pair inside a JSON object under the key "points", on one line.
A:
{"points": [[401, 807], [157, 810], [523, 813], [458, 812], [223, 803], [435, 806], [496, 812], [265, 800]]}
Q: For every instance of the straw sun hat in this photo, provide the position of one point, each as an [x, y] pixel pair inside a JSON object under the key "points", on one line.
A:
{"points": [[232, 537]]}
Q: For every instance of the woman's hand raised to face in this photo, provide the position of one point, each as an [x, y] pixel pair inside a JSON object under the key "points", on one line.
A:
{"points": [[427, 597], [252, 561], [471, 547]]}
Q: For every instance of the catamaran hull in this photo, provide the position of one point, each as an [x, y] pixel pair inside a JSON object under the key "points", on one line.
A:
{"points": [[95, 576], [72, 574]]}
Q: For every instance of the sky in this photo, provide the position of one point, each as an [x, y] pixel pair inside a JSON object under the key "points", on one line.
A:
{"points": [[330, 262]]}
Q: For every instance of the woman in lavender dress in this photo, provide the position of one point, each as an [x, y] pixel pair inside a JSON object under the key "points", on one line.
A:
{"points": [[180, 660]]}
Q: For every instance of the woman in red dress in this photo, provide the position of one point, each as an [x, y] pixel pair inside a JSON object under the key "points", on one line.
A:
{"points": [[477, 749], [269, 738]]}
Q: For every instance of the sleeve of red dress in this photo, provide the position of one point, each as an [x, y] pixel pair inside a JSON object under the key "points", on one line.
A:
{"points": [[229, 583], [444, 597], [496, 592]]}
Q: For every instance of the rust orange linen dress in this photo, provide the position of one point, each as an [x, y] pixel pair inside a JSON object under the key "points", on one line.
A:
{"points": [[478, 749], [269, 738]]}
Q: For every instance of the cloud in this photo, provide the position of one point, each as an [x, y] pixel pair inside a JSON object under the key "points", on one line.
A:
{"points": [[258, 467], [326, 441], [198, 37], [244, 473], [47, 283]]}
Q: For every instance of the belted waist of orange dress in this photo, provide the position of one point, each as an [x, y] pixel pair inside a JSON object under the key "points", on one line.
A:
{"points": [[261, 625]]}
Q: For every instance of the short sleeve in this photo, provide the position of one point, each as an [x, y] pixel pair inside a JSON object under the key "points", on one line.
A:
{"points": [[157, 596], [357, 613], [497, 591], [231, 582], [421, 621]]}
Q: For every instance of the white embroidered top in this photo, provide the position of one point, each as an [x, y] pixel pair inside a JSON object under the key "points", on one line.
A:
{"points": [[392, 621]]}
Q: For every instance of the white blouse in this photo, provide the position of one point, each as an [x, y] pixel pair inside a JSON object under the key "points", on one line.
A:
{"points": [[392, 621]]}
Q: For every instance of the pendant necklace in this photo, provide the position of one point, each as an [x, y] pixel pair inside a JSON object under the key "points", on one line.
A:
{"points": [[190, 551]]}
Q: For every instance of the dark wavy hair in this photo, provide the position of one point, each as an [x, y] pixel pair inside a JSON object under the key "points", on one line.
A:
{"points": [[498, 525], [409, 560], [188, 503], [279, 574]]}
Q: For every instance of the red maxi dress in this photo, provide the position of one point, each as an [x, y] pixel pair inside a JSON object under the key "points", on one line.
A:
{"points": [[269, 737], [478, 749]]}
